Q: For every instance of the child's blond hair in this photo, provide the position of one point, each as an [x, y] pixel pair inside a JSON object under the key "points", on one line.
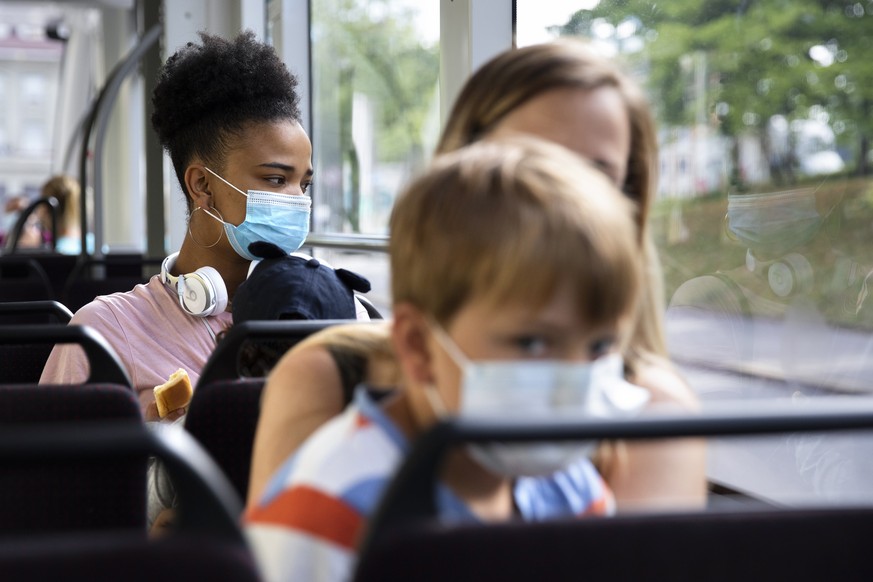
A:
{"points": [[508, 221]]}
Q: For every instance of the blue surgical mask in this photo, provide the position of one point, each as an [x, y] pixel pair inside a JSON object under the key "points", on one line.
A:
{"points": [[281, 219], [543, 390]]}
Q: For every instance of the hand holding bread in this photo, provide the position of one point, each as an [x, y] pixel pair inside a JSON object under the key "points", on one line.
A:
{"points": [[174, 394]]}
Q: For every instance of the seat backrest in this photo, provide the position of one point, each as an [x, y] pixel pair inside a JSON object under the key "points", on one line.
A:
{"points": [[24, 363], [22, 278], [750, 545], [224, 363], [58, 268], [205, 543], [223, 414], [127, 556], [223, 417], [707, 545], [24, 350], [105, 275], [34, 312], [39, 497]]}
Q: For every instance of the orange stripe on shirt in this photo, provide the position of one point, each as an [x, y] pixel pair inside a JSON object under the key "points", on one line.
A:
{"points": [[312, 512], [599, 506]]}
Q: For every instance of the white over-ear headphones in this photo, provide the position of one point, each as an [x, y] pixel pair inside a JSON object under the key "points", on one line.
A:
{"points": [[201, 293]]}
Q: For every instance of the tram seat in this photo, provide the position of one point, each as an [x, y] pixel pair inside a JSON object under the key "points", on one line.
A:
{"points": [[204, 544], [24, 350], [23, 279], [111, 273], [29, 276], [750, 545], [38, 497], [34, 312], [226, 361], [405, 540], [58, 268], [24, 363], [223, 414]]}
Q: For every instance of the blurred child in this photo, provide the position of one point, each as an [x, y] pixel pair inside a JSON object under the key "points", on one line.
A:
{"points": [[510, 259]]}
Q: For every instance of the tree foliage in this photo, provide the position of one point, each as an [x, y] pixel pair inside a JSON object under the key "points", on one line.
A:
{"points": [[378, 47], [795, 58]]}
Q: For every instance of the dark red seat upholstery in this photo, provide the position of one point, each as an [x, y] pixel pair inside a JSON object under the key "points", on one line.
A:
{"points": [[204, 544], [223, 416], [405, 540]]}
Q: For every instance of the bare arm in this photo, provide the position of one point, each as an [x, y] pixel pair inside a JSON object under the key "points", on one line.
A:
{"points": [[303, 392], [667, 474]]}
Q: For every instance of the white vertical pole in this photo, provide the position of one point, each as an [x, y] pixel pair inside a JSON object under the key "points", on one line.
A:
{"points": [[289, 22], [471, 32]]}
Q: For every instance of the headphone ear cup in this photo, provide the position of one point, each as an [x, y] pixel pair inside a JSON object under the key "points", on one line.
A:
{"points": [[219, 289], [202, 292]]}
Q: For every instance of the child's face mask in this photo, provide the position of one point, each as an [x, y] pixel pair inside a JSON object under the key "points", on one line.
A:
{"points": [[537, 390], [281, 219]]}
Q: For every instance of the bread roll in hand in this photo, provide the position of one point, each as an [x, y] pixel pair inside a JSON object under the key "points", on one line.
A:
{"points": [[173, 394]]}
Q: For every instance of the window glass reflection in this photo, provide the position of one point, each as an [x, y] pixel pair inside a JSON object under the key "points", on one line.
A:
{"points": [[765, 202]]}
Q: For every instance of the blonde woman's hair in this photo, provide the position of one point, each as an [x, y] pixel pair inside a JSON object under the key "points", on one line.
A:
{"points": [[66, 190], [513, 78], [361, 339], [508, 221]]}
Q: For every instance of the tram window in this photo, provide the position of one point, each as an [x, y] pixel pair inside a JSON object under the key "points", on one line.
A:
{"points": [[765, 200], [34, 90], [375, 70]]}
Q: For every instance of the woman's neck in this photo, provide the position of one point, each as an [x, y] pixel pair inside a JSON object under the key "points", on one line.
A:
{"points": [[488, 496], [233, 269]]}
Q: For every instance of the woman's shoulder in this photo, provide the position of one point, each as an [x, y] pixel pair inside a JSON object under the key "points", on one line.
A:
{"points": [[315, 360], [145, 306]]}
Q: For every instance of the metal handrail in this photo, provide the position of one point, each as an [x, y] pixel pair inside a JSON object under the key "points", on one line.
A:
{"points": [[349, 242], [96, 124]]}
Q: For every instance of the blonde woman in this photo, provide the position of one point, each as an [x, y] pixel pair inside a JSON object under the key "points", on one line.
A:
{"points": [[66, 190], [567, 93]]}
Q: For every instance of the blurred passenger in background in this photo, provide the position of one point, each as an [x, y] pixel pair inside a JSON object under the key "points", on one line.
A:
{"points": [[66, 190], [38, 228]]}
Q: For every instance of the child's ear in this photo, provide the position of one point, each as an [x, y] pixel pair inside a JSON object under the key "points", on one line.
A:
{"points": [[409, 334]]}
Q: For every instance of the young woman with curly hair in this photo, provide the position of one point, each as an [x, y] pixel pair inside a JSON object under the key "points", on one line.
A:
{"points": [[226, 112]]}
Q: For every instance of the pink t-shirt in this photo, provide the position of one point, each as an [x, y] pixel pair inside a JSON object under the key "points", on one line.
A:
{"points": [[149, 331]]}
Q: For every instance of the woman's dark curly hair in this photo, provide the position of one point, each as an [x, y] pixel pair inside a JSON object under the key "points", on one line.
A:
{"points": [[208, 93]]}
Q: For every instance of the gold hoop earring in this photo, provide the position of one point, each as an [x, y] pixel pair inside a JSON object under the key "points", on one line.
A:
{"points": [[191, 233]]}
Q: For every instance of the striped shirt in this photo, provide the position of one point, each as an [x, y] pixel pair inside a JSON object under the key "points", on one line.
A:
{"points": [[309, 522]]}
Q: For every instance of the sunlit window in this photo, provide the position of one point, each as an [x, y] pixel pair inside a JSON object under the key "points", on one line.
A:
{"points": [[34, 89], [375, 106]]}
